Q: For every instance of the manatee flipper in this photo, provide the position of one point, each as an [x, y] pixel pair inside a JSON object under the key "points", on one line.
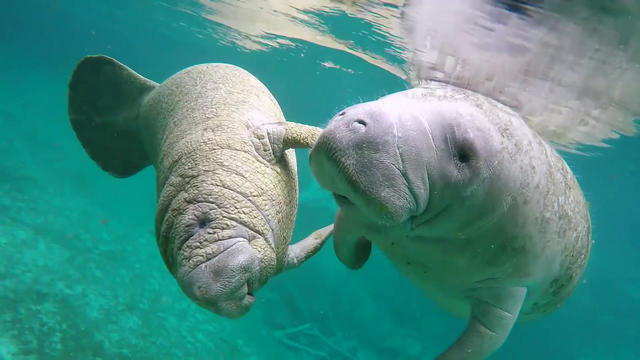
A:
{"points": [[493, 313], [103, 105], [298, 136], [351, 249], [302, 250], [270, 142], [283, 136]]}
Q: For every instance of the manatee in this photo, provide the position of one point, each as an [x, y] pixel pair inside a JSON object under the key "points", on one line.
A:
{"points": [[464, 199], [225, 171]]}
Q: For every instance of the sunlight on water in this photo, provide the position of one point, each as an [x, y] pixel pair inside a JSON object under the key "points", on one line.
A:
{"points": [[569, 68], [273, 23]]}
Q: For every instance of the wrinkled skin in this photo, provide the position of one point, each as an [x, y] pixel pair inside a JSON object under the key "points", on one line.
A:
{"points": [[226, 181], [464, 199]]}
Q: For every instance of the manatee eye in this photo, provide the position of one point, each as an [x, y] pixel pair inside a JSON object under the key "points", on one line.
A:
{"points": [[465, 152], [202, 222], [464, 157]]}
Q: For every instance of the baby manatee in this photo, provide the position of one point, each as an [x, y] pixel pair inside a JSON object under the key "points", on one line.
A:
{"points": [[226, 176], [464, 199]]}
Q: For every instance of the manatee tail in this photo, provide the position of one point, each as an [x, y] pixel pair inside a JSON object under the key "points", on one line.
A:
{"points": [[104, 101]]}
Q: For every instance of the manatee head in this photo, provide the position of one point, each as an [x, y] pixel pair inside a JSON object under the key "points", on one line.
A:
{"points": [[403, 157], [217, 260]]}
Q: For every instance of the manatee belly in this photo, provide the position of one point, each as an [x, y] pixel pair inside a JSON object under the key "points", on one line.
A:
{"points": [[548, 261]]}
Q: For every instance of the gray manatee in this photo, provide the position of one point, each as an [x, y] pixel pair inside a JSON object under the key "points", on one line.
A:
{"points": [[464, 199], [225, 170]]}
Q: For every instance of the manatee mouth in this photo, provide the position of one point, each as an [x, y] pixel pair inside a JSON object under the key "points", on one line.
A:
{"points": [[225, 283], [357, 158], [352, 190], [342, 200]]}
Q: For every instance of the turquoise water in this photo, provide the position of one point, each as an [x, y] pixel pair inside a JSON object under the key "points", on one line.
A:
{"points": [[80, 274]]}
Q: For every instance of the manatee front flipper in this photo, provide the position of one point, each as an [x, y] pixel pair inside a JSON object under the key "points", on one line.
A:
{"points": [[304, 249], [299, 135], [103, 104], [351, 249], [283, 136], [493, 313]]}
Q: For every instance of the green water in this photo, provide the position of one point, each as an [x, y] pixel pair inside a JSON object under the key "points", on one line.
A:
{"points": [[80, 274]]}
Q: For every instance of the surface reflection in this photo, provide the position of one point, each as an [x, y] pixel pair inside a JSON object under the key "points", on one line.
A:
{"points": [[570, 68]]}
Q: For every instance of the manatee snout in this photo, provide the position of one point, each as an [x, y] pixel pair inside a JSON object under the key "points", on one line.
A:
{"points": [[211, 255], [358, 123], [225, 283], [358, 157]]}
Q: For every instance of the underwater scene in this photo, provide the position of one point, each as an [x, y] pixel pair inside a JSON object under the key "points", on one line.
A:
{"points": [[146, 203]]}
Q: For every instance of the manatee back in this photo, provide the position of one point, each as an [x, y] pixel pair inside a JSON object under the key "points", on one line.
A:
{"points": [[212, 163]]}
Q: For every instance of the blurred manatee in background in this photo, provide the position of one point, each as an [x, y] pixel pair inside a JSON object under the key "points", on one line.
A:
{"points": [[568, 67]]}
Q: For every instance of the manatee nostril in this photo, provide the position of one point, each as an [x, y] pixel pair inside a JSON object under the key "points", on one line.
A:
{"points": [[359, 124], [342, 113]]}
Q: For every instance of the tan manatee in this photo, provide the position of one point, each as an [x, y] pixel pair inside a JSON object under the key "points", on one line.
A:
{"points": [[464, 199], [226, 181]]}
